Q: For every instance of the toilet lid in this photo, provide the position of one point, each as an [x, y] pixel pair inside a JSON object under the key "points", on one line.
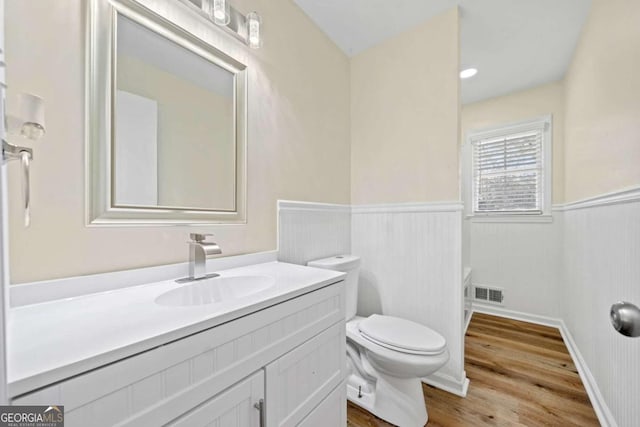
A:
{"points": [[401, 335]]}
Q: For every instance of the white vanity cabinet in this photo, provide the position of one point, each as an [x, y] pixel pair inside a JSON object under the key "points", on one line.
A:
{"points": [[290, 355]]}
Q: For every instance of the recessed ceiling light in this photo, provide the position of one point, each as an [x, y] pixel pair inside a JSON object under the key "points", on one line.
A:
{"points": [[469, 72]]}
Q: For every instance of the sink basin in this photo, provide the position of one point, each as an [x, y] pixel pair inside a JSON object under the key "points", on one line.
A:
{"points": [[215, 290]]}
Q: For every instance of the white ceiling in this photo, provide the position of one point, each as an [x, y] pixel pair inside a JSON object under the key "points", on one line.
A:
{"points": [[514, 44]]}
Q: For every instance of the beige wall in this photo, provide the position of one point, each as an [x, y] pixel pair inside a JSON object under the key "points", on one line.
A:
{"points": [[602, 134], [542, 100], [298, 138], [196, 163], [404, 116]]}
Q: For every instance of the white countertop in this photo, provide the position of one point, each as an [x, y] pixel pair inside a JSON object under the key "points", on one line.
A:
{"points": [[51, 341]]}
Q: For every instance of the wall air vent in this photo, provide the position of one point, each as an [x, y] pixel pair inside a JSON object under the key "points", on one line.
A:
{"points": [[495, 295], [482, 293], [487, 294]]}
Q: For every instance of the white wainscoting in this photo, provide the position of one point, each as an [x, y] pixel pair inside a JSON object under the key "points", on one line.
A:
{"points": [[523, 258], [411, 268], [602, 266], [309, 231]]}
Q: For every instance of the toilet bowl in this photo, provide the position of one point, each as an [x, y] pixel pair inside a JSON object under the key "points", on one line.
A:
{"points": [[387, 356]]}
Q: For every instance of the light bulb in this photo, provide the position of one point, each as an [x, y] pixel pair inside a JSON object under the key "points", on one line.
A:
{"points": [[217, 10], [221, 14], [469, 72], [254, 23], [31, 109], [32, 130]]}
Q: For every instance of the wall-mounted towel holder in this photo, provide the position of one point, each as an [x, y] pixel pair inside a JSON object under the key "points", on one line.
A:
{"points": [[25, 155], [29, 124]]}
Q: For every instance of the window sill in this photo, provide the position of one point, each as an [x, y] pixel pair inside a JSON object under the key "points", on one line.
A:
{"points": [[545, 218]]}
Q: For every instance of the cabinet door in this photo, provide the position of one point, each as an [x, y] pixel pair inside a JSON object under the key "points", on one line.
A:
{"points": [[237, 406], [298, 381]]}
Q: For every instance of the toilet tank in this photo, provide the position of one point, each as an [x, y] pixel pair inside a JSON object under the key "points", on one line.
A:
{"points": [[347, 264]]}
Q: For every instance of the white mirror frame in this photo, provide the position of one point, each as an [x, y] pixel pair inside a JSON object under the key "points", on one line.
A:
{"points": [[102, 18]]}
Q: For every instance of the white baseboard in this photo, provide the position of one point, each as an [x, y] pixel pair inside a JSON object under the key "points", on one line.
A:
{"points": [[600, 407], [597, 400], [448, 383], [466, 323], [515, 315]]}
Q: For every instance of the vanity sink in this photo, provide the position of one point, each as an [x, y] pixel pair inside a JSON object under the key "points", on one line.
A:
{"points": [[215, 290]]}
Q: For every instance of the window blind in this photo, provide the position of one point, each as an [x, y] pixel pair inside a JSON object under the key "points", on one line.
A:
{"points": [[508, 173]]}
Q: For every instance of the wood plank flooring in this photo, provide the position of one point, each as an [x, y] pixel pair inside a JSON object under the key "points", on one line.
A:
{"points": [[521, 375]]}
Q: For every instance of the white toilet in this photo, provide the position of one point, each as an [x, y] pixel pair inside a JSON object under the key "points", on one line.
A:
{"points": [[387, 356]]}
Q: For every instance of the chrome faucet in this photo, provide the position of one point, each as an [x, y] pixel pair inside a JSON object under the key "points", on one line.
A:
{"points": [[199, 251]]}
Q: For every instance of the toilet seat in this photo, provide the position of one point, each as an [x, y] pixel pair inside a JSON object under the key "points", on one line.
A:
{"points": [[401, 335], [395, 362]]}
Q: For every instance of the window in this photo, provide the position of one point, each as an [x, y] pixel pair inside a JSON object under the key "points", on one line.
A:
{"points": [[511, 172]]}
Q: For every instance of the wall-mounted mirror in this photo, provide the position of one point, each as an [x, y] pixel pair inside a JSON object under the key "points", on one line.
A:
{"points": [[166, 120]]}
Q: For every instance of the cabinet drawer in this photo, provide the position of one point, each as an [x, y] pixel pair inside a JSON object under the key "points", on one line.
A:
{"points": [[154, 387], [332, 411], [299, 380], [233, 407]]}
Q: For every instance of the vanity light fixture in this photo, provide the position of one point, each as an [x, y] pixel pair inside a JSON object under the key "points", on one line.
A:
{"points": [[254, 23], [468, 72], [247, 28]]}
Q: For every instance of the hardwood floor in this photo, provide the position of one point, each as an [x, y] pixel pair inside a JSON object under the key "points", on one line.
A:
{"points": [[521, 375]]}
